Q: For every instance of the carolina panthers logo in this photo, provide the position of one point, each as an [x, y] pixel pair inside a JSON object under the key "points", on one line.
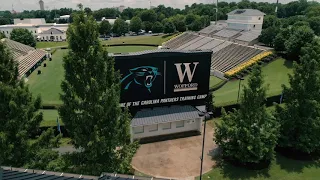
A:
{"points": [[143, 76]]}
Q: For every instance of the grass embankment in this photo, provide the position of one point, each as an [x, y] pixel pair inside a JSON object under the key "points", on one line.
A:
{"points": [[275, 74], [156, 40]]}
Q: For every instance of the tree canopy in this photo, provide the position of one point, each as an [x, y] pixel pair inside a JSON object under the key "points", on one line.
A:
{"points": [[169, 27], [20, 117], [105, 27], [300, 116], [120, 27], [23, 36], [91, 111], [249, 135], [135, 24]]}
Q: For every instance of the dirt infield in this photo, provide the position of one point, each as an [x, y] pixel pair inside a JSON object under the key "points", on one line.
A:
{"points": [[179, 158]]}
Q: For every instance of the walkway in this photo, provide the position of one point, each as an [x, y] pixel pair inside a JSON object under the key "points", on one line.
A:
{"points": [[178, 159]]}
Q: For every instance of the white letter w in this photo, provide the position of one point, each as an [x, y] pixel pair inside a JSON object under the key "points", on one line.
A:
{"points": [[186, 71]]}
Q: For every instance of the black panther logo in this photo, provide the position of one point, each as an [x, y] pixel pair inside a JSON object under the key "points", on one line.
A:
{"points": [[142, 76]]}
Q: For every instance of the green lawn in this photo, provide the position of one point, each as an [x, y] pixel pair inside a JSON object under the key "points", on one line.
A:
{"points": [[50, 118], [281, 168], [48, 83], [214, 81], [275, 74], [122, 49], [156, 40], [51, 44]]}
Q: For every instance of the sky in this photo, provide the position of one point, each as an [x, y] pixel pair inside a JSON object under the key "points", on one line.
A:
{"points": [[20, 5]]}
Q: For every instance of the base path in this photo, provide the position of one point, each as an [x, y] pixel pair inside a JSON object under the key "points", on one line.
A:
{"points": [[178, 159]]}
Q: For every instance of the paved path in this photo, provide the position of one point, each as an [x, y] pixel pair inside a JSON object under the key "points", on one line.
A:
{"points": [[179, 158]]}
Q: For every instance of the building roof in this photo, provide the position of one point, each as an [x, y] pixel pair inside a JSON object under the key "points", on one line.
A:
{"points": [[227, 33], [52, 31], [30, 174], [248, 36], [164, 115], [26, 56], [43, 175], [34, 21], [246, 12]]}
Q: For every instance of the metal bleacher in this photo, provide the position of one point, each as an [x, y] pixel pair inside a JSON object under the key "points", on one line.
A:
{"points": [[26, 56], [226, 55]]}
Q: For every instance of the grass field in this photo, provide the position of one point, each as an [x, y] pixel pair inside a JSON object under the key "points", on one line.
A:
{"points": [[48, 83], [275, 74], [214, 81], [156, 40], [281, 168], [50, 118]]}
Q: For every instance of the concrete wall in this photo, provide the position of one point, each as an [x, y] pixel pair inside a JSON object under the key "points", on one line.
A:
{"points": [[196, 126], [245, 22]]}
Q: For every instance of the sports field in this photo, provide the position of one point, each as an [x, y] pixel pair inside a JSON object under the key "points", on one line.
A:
{"points": [[275, 74], [156, 40]]}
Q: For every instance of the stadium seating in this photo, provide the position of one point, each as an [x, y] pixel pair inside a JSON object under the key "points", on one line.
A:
{"points": [[26, 56], [180, 40], [225, 54]]}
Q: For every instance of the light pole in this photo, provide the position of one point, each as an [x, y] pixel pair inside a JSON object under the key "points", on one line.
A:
{"points": [[240, 79], [207, 116]]}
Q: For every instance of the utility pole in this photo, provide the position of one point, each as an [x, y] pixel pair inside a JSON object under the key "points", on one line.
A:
{"points": [[217, 13]]}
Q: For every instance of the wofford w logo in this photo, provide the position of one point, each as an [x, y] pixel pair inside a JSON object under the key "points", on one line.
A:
{"points": [[187, 71]]}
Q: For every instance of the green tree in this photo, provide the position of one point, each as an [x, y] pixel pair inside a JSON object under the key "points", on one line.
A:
{"points": [[179, 22], [2, 35], [196, 25], [313, 11], [169, 27], [205, 20], [91, 111], [88, 10], [147, 26], [20, 116], [4, 21], [105, 27], [300, 23], [300, 116], [148, 15], [157, 27], [268, 35], [23, 36], [249, 135], [135, 24], [120, 27], [280, 39], [161, 17], [190, 18], [270, 20], [315, 24], [299, 38]]}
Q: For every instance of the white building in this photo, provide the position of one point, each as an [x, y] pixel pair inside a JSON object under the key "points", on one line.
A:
{"points": [[64, 17], [243, 26], [52, 34], [38, 28], [164, 121], [245, 19]]}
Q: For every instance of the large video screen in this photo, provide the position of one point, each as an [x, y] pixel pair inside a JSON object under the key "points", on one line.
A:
{"points": [[163, 77]]}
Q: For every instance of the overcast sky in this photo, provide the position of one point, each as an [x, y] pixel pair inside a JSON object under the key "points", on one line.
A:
{"points": [[20, 5]]}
